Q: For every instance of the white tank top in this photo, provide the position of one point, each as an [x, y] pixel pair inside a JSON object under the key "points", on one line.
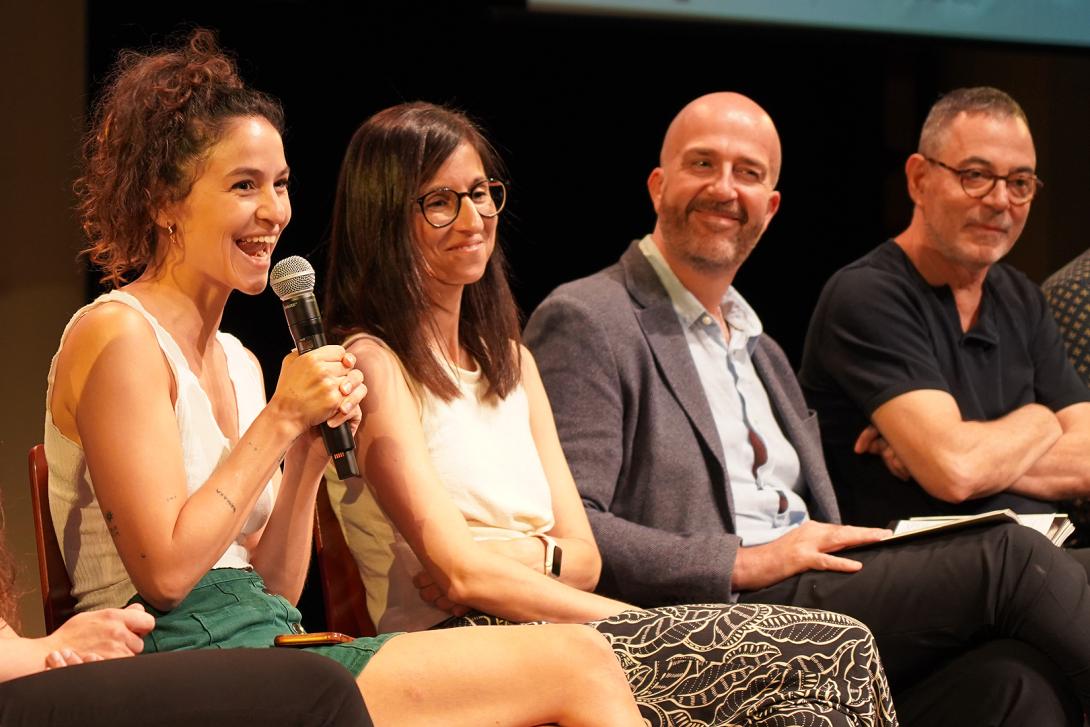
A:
{"points": [[99, 579], [485, 456]]}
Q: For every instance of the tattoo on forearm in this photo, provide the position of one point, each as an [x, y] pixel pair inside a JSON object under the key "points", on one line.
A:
{"points": [[226, 499], [254, 448], [110, 524]]}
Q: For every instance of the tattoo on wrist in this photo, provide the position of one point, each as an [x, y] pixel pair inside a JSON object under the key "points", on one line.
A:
{"points": [[226, 499]]}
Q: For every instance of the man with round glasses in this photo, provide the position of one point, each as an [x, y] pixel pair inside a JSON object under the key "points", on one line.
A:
{"points": [[937, 371]]}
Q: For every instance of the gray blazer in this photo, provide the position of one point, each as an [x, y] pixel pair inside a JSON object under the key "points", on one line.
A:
{"points": [[640, 439]]}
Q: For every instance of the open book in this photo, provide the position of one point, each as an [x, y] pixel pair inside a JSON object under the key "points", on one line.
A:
{"points": [[1055, 526]]}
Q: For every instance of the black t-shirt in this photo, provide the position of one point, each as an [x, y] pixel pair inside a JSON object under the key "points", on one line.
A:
{"points": [[880, 330]]}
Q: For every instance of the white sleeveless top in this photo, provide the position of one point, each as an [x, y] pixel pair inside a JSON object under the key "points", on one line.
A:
{"points": [[99, 579], [485, 456]]}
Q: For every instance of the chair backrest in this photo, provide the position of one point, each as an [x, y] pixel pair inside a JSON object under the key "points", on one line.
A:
{"points": [[342, 588], [57, 601]]}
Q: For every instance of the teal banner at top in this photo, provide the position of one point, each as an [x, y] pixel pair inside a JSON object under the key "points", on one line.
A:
{"points": [[1052, 22]]}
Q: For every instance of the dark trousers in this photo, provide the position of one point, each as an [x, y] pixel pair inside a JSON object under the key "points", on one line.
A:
{"points": [[1011, 682], [935, 604], [1082, 557], [208, 688]]}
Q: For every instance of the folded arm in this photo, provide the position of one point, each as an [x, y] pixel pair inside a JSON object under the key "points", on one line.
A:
{"points": [[956, 460], [1062, 472]]}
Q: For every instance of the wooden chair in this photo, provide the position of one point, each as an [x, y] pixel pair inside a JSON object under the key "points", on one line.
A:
{"points": [[342, 588], [57, 601]]}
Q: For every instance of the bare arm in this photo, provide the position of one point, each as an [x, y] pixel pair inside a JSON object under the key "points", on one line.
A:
{"points": [[92, 636], [1063, 471], [282, 552], [582, 561], [166, 539], [870, 441], [956, 460], [393, 454]]}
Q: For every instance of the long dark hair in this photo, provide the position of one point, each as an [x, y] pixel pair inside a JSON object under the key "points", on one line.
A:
{"points": [[375, 278], [158, 114]]}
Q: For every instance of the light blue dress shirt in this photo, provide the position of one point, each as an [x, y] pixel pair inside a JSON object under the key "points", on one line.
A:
{"points": [[769, 503]]}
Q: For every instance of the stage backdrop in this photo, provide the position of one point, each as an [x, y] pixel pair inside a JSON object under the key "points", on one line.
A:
{"points": [[577, 104]]}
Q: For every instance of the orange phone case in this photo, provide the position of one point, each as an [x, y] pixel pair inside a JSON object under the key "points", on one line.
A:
{"points": [[319, 638]]}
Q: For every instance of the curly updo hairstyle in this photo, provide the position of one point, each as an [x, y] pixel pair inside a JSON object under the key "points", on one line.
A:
{"points": [[158, 115]]}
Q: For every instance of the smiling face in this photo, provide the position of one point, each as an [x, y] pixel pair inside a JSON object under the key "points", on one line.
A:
{"points": [[229, 223], [456, 255], [714, 191], [966, 232]]}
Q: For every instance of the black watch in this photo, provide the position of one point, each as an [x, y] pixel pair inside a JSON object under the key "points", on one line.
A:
{"points": [[554, 555]]}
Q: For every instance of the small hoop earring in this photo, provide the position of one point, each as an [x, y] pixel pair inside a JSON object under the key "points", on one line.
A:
{"points": [[173, 239]]}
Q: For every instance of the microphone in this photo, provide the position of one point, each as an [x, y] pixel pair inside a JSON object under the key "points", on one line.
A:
{"points": [[292, 280]]}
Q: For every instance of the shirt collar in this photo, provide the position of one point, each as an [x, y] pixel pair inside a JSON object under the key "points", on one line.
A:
{"points": [[738, 313]]}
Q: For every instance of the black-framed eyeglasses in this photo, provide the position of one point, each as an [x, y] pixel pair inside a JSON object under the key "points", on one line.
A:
{"points": [[441, 207], [979, 183]]}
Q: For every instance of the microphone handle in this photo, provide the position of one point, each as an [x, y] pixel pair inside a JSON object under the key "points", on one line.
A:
{"points": [[308, 333]]}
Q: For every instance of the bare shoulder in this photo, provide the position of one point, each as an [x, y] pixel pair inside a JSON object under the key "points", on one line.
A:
{"points": [[110, 343], [381, 367], [253, 359], [533, 385], [109, 323], [527, 363], [393, 400], [372, 351], [112, 330]]}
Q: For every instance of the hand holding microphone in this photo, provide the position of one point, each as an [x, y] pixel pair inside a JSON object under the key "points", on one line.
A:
{"points": [[292, 280]]}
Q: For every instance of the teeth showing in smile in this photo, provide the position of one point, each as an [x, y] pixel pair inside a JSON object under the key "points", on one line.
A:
{"points": [[257, 246]]}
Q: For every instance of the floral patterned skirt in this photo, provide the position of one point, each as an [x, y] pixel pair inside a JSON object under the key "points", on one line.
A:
{"points": [[745, 664]]}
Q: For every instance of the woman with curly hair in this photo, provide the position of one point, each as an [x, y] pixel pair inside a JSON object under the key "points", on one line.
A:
{"points": [[469, 504], [166, 486]]}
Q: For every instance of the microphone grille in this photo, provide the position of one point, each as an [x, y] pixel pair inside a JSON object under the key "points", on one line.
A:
{"points": [[292, 276]]}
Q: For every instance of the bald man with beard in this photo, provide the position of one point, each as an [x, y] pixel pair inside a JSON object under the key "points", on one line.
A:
{"points": [[701, 467]]}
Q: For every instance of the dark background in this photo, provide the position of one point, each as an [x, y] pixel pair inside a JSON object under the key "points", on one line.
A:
{"points": [[577, 105]]}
